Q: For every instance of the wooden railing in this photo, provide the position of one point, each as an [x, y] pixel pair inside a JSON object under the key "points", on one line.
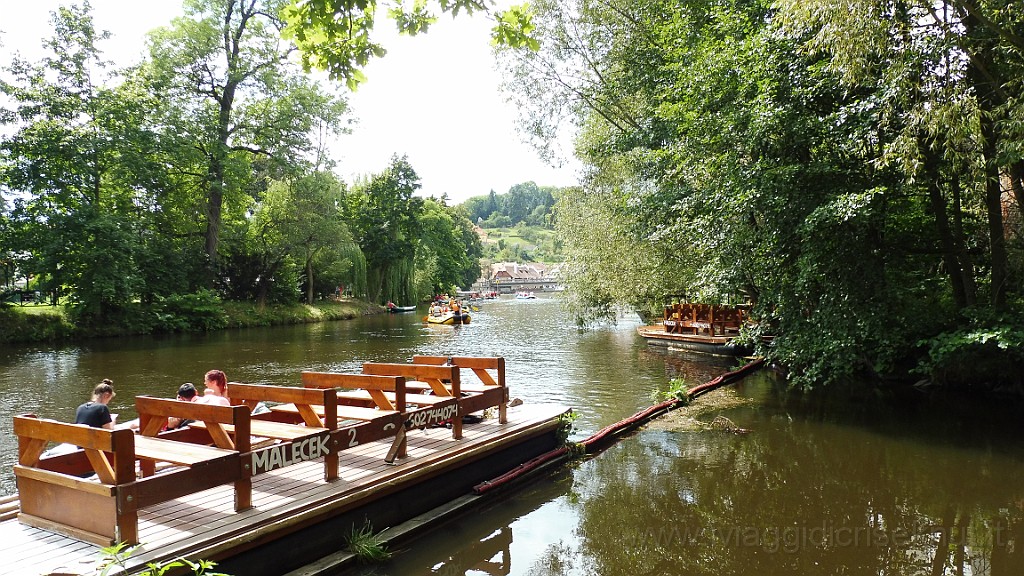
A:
{"points": [[710, 319], [330, 413]]}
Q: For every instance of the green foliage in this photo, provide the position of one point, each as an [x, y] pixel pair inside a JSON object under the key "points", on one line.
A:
{"points": [[115, 557], [335, 35], [987, 354], [366, 545], [17, 325], [829, 167], [384, 219], [201, 311], [566, 426], [678, 390], [448, 253], [523, 203]]}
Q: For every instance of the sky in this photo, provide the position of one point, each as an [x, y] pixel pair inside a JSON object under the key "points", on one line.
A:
{"points": [[433, 97]]}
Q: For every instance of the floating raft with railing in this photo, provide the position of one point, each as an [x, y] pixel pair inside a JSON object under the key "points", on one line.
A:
{"points": [[265, 494]]}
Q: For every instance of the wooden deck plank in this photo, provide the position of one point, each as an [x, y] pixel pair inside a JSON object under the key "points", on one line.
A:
{"points": [[201, 523]]}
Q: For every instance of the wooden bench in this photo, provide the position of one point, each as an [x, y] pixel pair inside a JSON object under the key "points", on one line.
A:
{"points": [[443, 381], [299, 441], [725, 320], [383, 418], [215, 420], [491, 389], [104, 511]]}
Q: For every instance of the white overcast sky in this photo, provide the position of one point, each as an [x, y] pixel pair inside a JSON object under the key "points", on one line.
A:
{"points": [[433, 97]]}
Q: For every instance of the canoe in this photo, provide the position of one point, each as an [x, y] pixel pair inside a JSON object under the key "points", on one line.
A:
{"points": [[399, 309]]}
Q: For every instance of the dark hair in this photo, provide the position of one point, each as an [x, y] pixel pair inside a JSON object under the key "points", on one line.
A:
{"points": [[187, 391], [105, 387]]}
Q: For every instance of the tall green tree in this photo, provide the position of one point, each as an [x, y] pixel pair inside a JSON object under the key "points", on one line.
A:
{"points": [[234, 93], [448, 252], [383, 216], [73, 162]]}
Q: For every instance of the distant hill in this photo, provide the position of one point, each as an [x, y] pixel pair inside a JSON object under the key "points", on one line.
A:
{"points": [[517, 226], [521, 244]]}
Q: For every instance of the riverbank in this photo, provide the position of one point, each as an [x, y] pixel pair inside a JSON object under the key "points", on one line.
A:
{"points": [[43, 323]]}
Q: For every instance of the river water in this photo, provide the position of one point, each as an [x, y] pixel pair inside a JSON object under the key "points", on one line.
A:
{"points": [[820, 485]]}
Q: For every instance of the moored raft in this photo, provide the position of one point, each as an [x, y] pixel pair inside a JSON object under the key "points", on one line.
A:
{"points": [[269, 493]]}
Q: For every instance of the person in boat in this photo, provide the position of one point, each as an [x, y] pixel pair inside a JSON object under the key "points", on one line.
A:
{"points": [[95, 412], [390, 305], [186, 393], [216, 393]]}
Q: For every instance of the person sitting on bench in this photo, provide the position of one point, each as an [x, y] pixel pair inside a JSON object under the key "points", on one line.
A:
{"points": [[187, 393], [95, 413], [216, 392]]}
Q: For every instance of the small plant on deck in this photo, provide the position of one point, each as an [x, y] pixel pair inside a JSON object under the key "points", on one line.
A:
{"points": [[367, 546], [115, 557]]}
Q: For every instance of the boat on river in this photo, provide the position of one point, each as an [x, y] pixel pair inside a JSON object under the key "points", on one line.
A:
{"points": [[706, 328], [399, 309], [449, 317], [269, 493], [525, 296]]}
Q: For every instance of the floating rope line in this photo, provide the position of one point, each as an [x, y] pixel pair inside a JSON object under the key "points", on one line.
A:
{"points": [[613, 431]]}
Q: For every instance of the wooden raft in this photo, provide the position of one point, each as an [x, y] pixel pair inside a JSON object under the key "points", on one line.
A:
{"points": [[204, 524], [216, 448]]}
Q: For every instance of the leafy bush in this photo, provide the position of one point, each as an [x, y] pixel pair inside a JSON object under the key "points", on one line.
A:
{"points": [[199, 311], [18, 326], [989, 355]]}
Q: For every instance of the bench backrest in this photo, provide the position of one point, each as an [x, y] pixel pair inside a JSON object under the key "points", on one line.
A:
{"points": [[478, 364], [303, 399], [375, 385], [434, 376], [118, 468], [153, 414]]}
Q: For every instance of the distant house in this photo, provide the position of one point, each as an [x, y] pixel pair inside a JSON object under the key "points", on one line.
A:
{"points": [[509, 277]]}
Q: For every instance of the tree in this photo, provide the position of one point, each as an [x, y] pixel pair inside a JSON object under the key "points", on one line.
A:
{"points": [[383, 216], [448, 252], [74, 160], [291, 227], [233, 93]]}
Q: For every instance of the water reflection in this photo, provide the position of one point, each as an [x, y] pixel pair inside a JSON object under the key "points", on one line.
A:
{"points": [[801, 494]]}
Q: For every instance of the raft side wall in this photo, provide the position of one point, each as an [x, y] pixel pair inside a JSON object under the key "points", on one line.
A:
{"points": [[292, 551]]}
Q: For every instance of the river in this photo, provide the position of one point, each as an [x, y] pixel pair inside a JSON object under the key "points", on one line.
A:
{"points": [[820, 485]]}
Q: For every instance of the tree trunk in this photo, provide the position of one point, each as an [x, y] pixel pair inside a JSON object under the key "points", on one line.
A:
{"points": [[309, 280], [964, 256], [950, 251], [986, 87]]}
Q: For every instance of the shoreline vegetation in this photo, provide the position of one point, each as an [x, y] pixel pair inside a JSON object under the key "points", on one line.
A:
{"points": [[46, 323]]}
